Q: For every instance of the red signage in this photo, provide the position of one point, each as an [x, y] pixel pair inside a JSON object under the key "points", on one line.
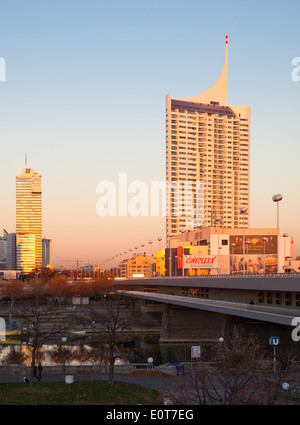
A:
{"points": [[203, 261], [179, 253]]}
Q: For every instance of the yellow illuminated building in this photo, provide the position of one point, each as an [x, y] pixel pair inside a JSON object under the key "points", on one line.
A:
{"points": [[172, 259], [137, 266], [29, 220]]}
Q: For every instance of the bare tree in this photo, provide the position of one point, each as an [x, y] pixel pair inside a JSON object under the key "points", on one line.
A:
{"points": [[239, 375], [112, 323], [39, 322], [14, 290]]}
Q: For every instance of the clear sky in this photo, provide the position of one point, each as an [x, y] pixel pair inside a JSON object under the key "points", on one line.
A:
{"points": [[84, 97]]}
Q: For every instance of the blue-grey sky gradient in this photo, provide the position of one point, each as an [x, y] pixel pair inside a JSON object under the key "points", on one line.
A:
{"points": [[84, 97]]}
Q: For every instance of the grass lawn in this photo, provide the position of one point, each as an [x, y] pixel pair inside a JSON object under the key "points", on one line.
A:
{"points": [[78, 393]]}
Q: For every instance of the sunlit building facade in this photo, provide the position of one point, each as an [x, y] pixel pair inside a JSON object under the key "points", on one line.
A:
{"points": [[137, 266], [29, 220], [213, 250], [207, 159]]}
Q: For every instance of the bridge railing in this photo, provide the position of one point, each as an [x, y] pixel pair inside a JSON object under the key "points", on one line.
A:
{"points": [[221, 276]]}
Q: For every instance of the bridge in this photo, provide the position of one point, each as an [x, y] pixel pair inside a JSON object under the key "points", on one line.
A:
{"points": [[205, 306]]}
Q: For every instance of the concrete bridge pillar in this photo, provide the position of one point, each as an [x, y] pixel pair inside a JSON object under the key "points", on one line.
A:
{"points": [[185, 325]]}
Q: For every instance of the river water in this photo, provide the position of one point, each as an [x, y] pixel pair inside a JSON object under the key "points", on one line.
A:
{"points": [[85, 348]]}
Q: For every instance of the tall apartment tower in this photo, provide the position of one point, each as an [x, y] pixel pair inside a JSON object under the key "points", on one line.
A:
{"points": [[207, 159], [29, 220]]}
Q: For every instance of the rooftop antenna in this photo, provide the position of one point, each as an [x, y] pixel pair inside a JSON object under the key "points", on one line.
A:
{"points": [[26, 160]]}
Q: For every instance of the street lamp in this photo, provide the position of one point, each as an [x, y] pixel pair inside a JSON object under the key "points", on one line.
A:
{"points": [[64, 340], [264, 242], [285, 235], [217, 219], [170, 250], [150, 243], [150, 262], [243, 211], [150, 361], [285, 386], [136, 247], [159, 240], [247, 243], [277, 198]]}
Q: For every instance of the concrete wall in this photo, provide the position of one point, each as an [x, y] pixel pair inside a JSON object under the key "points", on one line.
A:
{"points": [[182, 324]]}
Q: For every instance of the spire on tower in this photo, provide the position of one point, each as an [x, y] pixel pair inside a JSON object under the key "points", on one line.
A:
{"points": [[218, 92]]}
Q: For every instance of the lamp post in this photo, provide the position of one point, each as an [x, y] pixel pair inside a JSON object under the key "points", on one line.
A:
{"points": [[170, 251], [156, 263], [64, 340], [264, 242], [247, 257], [136, 247], [150, 243], [277, 198], [217, 219], [150, 361], [159, 241], [285, 235], [243, 211], [130, 263]]}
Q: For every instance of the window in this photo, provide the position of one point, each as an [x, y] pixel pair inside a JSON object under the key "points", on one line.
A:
{"points": [[269, 297], [288, 299]]}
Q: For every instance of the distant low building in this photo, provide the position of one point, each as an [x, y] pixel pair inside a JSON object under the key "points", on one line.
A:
{"points": [[8, 251], [137, 266], [47, 253], [9, 274]]}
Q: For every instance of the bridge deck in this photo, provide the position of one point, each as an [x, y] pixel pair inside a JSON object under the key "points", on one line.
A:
{"points": [[256, 312], [276, 282]]}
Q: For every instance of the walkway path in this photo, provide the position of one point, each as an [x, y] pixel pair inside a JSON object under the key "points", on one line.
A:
{"points": [[143, 380]]}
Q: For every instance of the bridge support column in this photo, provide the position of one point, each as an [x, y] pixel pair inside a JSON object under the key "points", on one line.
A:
{"points": [[184, 325]]}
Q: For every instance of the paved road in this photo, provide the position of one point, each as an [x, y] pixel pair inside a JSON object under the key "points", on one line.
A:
{"points": [[143, 380]]}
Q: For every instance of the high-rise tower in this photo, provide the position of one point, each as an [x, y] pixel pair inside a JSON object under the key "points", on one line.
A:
{"points": [[207, 159], [29, 220]]}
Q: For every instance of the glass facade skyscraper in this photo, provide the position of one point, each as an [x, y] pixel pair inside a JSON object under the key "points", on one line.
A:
{"points": [[29, 220]]}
